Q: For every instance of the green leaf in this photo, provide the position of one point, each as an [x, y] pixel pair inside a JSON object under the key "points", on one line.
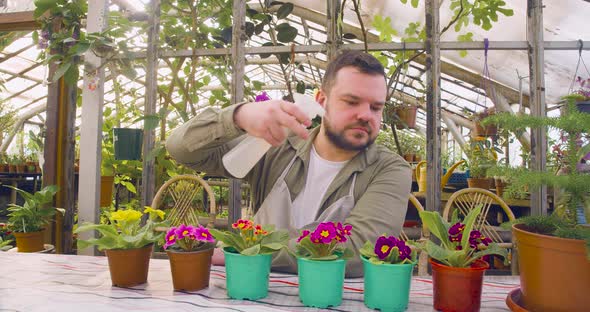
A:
{"points": [[252, 251], [287, 35], [71, 76], [437, 252], [436, 226], [415, 3], [284, 10], [492, 249], [150, 122], [257, 85], [469, 222], [41, 6], [368, 250], [61, 71], [80, 48]]}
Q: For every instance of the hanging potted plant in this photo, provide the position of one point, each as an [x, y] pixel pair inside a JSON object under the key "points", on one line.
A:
{"points": [[127, 244], [481, 130], [406, 116], [321, 261], [28, 220], [456, 263], [189, 249], [248, 253], [553, 250], [388, 266]]}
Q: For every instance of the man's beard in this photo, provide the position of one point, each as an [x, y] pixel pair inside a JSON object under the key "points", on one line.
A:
{"points": [[340, 141]]}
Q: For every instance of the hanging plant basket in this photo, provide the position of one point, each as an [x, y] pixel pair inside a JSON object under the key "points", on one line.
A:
{"points": [[128, 143], [407, 117]]}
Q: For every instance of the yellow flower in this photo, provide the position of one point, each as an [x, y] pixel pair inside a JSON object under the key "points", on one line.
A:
{"points": [[154, 212], [128, 215]]}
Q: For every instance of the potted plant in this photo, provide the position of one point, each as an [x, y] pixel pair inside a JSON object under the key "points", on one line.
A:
{"points": [[582, 95], [321, 261], [28, 220], [248, 252], [388, 266], [554, 252], [6, 237], [481, 154], [456, 261], [189, 249], [484, 130], [127, 243], [406, 116]]}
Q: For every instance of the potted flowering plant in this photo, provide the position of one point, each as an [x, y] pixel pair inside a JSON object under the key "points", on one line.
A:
{"points": [[189, 249], [28, 220], [321, 256], [127, 243], [248, 251], [388, 266], [456, 262]]}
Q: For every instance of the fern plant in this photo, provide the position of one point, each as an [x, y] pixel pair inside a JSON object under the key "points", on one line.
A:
{"points": [[575, 185]]}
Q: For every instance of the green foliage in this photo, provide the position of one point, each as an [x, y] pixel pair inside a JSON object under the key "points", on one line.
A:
{"points": [[410, 143], [446, 252], [482, 155], [250, 239], [35, 213], [368, 251], [124, 230], [7, 117]]}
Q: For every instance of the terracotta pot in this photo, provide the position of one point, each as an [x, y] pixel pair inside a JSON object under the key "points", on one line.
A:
{"points": [[487, 131], [417, 158], [3, 167], [20, 168], [554, 272], [190, 270], [500, 186], [129, 267], [106, 190], [12, 168], [29, 242], [483, 183], [457, 289], [409, 157], [407, 116]]}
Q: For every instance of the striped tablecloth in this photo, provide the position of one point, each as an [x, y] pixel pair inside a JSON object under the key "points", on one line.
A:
{"points": [[45, 282]]}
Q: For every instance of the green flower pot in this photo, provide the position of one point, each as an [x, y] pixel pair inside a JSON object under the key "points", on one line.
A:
{"points": [[246, 276], [387, 286], [321, 282], [127, 143]]}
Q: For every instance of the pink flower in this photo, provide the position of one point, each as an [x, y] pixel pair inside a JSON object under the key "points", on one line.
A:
{"points": [[304, 234], [203, 234]]}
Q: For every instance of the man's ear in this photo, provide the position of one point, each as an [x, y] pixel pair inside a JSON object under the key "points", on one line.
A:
{"points": [[321, 98]]}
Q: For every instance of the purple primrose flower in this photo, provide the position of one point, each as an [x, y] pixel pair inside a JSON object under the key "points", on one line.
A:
{"points": [[203, 234], [262, 97], [304, 234], [182, 231], [383, 247], [324, 233]]}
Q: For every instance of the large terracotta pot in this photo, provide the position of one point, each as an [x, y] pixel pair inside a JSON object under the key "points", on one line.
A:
{"points": [[407, 116], [190, 270], [129, 267], [554, 272], [29, 242], [457, 289]]}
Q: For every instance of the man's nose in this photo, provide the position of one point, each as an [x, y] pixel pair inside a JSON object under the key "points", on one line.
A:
{"points": [[364, 112]]}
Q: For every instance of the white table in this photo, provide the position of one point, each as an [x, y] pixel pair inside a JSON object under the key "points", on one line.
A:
{"points": [[47, 282]]}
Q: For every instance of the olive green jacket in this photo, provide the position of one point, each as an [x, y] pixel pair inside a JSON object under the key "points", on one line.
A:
{"points": [[381, 190]]}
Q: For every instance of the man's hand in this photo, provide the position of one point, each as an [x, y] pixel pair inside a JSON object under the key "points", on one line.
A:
{"points": [[268, 119]]}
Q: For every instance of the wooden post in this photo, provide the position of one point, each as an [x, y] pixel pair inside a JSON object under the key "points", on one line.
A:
{"points": [[237, 94], [537, 96], [433, 110], [333, 40], [151, 96], [91, 131], [59, 155]]}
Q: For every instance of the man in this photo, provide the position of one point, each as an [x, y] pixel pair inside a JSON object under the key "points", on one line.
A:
{"points": [[333, 173]]}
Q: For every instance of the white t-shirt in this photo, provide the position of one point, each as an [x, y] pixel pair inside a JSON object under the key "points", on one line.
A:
{"points": [[320, 174]]}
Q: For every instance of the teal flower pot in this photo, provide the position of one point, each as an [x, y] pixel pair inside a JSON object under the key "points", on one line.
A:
{"points": [[246, 276], [321, 282], [387, 286]]}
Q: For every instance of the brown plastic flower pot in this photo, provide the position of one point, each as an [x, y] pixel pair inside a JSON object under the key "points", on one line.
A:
{"points": [[190, 270], [554, 272], [29, 242], [457, 289], [129, 267]]}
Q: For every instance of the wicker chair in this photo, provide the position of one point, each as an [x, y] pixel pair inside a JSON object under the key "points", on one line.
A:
{"points": [[183, 190], [467, 199], [424, 235]]}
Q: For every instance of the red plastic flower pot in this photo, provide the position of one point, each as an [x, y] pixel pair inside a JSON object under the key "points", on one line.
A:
{"points": [[457, 289]]}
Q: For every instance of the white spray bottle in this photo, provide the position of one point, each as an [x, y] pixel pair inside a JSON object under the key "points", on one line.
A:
{"points": [[242, 158]]}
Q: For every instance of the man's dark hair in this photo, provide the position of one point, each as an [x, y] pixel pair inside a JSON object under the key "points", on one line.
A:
{"points": [[364, 62]]}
